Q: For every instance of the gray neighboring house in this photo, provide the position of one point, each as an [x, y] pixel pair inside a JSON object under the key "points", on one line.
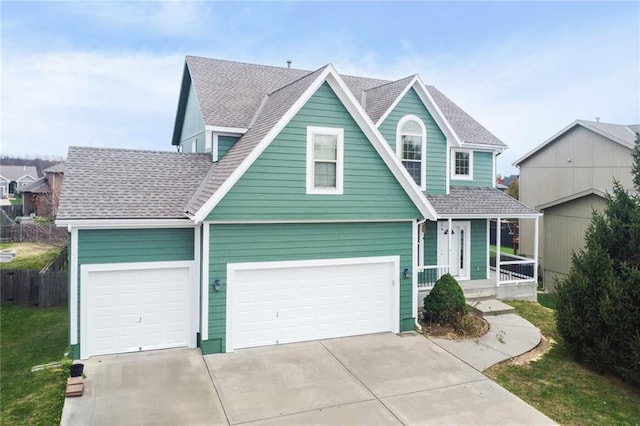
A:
{"points": [[567, 177], [13, 178]]}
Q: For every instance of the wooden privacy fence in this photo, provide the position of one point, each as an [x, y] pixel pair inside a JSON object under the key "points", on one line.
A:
{"points": [[32, 232], [48, 287], [13, 210]]}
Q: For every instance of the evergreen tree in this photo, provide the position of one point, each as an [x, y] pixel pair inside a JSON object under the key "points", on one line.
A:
{"points": [[598, 311]]}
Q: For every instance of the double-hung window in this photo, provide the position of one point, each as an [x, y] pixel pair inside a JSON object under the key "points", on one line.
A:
{"points": [[411, 147], [325, 160], [462, 164]]}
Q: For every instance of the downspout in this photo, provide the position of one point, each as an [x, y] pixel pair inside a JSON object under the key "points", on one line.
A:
{"points": [[415, 275]]}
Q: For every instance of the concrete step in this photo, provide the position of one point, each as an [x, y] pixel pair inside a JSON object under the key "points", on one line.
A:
{"points": [[490, 307]]}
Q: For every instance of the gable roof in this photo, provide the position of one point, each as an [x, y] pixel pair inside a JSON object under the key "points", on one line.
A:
{"points": [[230, 93], [275, 112], [56, 168], [602, 193], [102, 183], [15, 173], [40, 186], [480, 202], [618, 133]]}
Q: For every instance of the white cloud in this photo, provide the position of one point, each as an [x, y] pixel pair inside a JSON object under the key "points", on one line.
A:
{"points": [[54, 100]]}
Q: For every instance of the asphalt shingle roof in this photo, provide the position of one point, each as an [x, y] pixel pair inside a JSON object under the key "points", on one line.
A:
{"points": [[275, 106], [626, 134], [103, 183], [230, 93], [40, 186], [16, 172], [56, 168], [464, 200]]}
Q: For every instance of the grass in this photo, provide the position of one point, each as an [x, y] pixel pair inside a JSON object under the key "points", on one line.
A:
{"points": [[15, 201], [32, 336], [30, 255], [564, 390], [503, 249]]}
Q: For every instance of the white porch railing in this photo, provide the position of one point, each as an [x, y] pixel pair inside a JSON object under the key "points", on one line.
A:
{"points": [[512, 269], [428, 275]]}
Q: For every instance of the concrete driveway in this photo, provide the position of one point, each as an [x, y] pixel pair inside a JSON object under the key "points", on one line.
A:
{"points": [[375, 379]]}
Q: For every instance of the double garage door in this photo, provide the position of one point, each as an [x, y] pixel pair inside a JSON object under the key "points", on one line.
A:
{"points": [[136, 307], [282, 302]]}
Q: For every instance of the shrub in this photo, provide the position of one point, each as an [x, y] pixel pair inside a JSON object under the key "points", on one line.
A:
{"points": [[445, 302]]}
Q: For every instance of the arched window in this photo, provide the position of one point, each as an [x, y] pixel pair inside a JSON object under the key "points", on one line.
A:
{"points": [[411, 147]]}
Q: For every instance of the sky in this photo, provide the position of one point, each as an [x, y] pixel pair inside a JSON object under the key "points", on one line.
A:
{"points": [[108, 73]]}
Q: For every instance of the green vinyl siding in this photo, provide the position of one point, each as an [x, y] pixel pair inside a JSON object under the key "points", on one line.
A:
{"points": [[279, 242], [193, 125], [479, 249], [436, 141], [131, 245], [135, 245], [274, 187], [225, 143], [430, 251], [482, 171]]}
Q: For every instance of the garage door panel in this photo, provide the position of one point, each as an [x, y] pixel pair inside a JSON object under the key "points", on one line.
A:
{"points": [[308, 302], [134, 308]]}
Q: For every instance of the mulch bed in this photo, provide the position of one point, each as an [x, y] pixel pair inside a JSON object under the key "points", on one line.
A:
{"points": [[474, 327]]}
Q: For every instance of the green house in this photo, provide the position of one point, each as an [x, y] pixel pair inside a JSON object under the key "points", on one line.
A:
{"points": [[300, 205]]}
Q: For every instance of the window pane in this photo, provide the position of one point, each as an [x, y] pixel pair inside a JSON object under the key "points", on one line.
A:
{"points": [[462, 163], [325, 175], [413, 167], [411, 127], [325, 147], [411, 147]]}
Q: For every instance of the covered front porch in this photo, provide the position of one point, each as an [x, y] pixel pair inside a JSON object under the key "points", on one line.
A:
{"points": [[465, 251]]}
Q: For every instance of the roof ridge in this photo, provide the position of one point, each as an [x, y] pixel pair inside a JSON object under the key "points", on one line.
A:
{"points": [[298, 79], [148, 151], [390, 82], [245, 63]]}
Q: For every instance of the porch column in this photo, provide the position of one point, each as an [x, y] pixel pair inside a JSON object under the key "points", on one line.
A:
{"points": [[450, 223], [498, 241], [535, 250]]}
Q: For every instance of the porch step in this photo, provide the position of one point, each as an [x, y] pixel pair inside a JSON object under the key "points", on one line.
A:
{"points": [[490, 307]]}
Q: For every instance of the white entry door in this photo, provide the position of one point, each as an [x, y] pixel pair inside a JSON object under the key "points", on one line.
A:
{"points": [[460, 263], [271, 303]]}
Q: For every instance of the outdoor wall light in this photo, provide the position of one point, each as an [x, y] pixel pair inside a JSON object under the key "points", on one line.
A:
{"points": [[406, 273], [217, 285]]}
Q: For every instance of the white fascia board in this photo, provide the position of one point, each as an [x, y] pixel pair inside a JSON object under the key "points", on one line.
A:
{"points": [[435, 111], [483, 147], [381, 146], [125, 223], [223, 129], [226, 186], [395, 103]]}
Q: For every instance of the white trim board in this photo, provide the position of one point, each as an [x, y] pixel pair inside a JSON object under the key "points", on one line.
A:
{"points": [[125, 223]]}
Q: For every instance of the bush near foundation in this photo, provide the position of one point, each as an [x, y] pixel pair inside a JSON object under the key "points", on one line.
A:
{"points": [[445, 302]]}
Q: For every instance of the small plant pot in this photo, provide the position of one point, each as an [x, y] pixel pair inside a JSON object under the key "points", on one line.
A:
{"points": [[76, 370]]}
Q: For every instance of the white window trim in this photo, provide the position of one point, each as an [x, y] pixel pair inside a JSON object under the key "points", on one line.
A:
{"points": [[423, 161], [455, 176], [334, 131]]}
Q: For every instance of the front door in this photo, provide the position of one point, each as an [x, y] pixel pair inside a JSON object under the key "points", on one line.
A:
{"points": [[459, 262]]}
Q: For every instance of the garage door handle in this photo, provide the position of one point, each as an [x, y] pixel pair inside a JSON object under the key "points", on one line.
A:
{"points": [[140, 319]]}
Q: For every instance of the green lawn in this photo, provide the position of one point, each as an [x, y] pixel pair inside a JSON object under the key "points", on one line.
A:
{"points": [[561, 388], [503, 249], [15, 201], [30, 255], [32, 336]]}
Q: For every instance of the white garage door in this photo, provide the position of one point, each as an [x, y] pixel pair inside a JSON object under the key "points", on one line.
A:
{"points": [[282, 302], [134, 309]]}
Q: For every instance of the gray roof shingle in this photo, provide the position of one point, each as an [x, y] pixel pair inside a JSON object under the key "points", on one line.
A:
{"points": [[625, 134], [463, 200], [103, 183], [230, 93], [40, 186], [274, 108], [16, 172], [56, 168]]}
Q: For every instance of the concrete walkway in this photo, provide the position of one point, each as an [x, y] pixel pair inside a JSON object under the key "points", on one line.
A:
{"points": [[509, 335]]}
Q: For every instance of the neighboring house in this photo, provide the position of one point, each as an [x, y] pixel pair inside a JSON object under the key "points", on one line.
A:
{"points": [[303, 205], [42, 196], [14, 178], [567, 177]]}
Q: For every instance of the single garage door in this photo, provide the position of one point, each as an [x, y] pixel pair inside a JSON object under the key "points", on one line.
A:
{"points": [[135, 309], [282, 302]]}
